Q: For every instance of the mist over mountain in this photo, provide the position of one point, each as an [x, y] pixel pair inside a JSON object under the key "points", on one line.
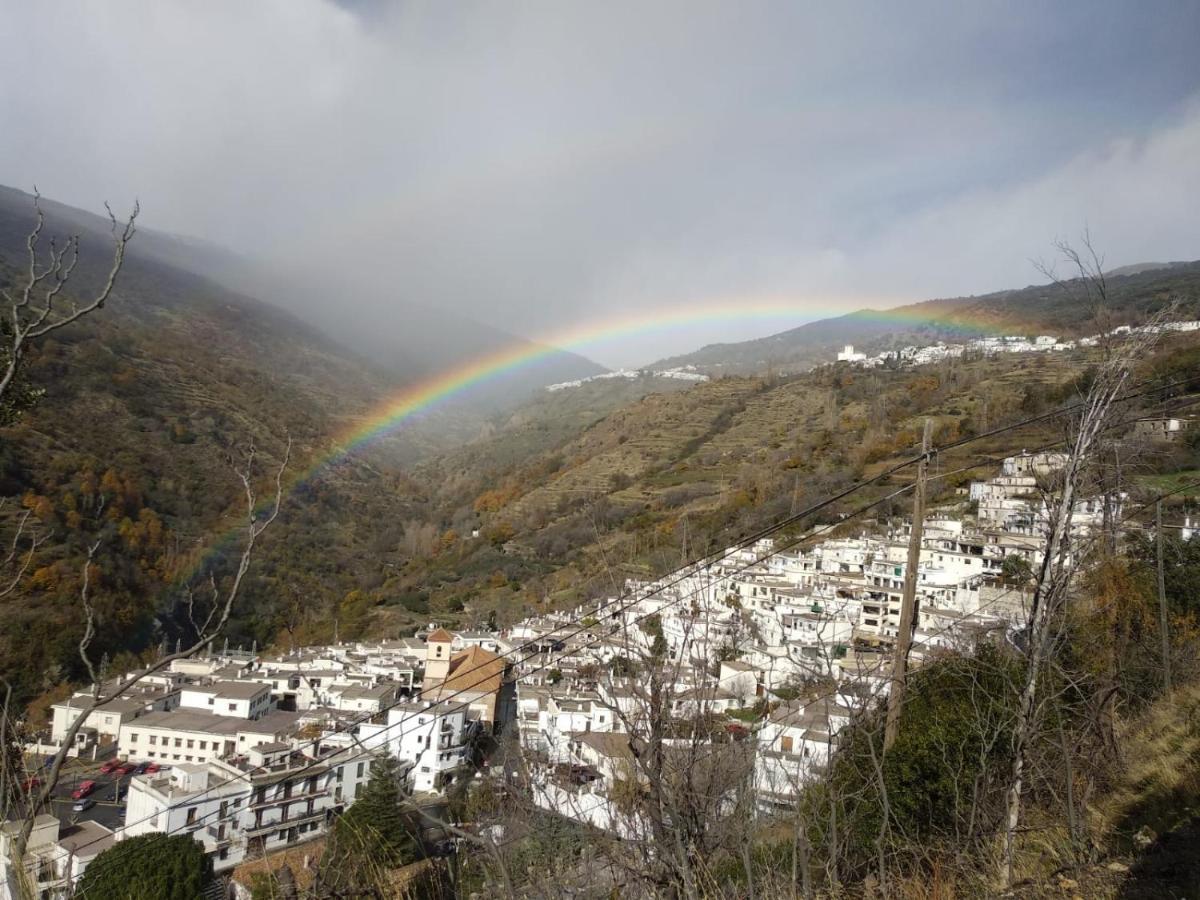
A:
{"points": [[407, 341], [404, 336]]}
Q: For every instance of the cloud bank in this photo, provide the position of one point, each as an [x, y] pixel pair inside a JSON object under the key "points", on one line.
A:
{"points": [[540, 165]]}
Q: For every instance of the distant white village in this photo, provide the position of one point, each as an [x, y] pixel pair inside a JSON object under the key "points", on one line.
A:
{"points": [[251, 753], [907, 356], [987, 346], [682, 373]]}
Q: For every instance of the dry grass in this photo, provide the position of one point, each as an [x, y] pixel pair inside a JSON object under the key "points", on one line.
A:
{"points": [[1161, 782], [303, 861]]}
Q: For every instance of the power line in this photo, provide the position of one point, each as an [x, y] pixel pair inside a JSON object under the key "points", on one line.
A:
{"points": [[685, 571], [819, 697]]}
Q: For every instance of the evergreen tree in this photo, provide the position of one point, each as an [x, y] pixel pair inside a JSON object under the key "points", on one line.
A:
{"points": [[148, 867], [375, 834]]}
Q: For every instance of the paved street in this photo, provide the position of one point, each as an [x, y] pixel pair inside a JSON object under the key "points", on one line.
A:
{"points": [[108, 811]]}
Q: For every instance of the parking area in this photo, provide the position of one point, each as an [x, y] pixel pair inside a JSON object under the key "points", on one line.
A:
{"points": [[108, 794], [109, 797]]}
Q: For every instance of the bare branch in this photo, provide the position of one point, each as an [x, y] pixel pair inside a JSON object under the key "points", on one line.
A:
{"points": [[105, 694], [35, 540], [34, 310], [89, 617]]}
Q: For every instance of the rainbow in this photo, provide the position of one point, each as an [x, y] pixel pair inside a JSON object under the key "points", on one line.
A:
{"points": [[403, 407], [415, 399]]}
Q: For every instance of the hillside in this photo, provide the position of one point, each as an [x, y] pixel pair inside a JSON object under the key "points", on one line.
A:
{"points": [[148, 404], [676, 474], [1135, 292], [405, 340]]}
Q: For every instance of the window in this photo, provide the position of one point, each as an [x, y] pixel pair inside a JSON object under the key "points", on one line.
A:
{"points": [[187, 758], [233, 707], [153, 739], [191, 815], [212, 700], [223, 853], [178, 743], [358, 790], [191, 743], [133, 738], [359, 773], [204, 745]]}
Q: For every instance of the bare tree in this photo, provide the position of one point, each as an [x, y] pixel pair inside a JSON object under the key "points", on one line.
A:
{"points": [[1060, 560], [36, 304], [208, 625]]}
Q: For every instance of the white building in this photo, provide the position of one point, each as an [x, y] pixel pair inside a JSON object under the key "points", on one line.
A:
{"points": [[105, 723], [432, 738], [192, 736], [240, 699], [57, 855], [242, 807]]}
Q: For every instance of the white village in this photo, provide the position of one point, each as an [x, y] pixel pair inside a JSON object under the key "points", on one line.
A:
{"points": [[776, 647]]}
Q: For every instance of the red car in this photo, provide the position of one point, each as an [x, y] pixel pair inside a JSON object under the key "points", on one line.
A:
{"points": [[152, 767], [124, 769], [31, 784], [85, 788], [107, 768]]}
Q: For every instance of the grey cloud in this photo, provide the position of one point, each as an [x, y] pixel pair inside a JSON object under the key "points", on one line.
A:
{"points": [[536, 166]]}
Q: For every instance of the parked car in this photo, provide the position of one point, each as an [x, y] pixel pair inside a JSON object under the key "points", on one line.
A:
{"points": [[124, 769], [152, 767], [83, 805], [142, 767], [31, 784], [85, 788], [108, 766]]}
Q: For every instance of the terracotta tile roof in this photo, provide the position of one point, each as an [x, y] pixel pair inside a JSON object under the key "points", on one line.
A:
{"points": [[475, 669], [441, 636]]}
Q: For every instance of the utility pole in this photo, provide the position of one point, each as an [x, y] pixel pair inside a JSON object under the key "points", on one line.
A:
{"points": [[1162, 599], [908, 602]]}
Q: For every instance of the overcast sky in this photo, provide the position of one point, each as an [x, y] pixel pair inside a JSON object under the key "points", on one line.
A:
{"points": [[543, 166]]}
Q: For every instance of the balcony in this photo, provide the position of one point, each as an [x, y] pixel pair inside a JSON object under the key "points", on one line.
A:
{"points": [[286, 822], [294, 797], [213, 833]]}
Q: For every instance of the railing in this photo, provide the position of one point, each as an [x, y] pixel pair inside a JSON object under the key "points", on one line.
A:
{"points": [[285, 822]]}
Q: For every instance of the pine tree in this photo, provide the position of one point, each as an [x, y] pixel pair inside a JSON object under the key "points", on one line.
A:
{"points": [[375, 834], [149, 867]]}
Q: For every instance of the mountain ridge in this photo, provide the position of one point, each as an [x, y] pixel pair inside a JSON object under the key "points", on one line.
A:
{"points": [[1033, 309]]}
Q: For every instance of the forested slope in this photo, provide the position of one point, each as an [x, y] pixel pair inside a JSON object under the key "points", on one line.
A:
{"points": [[148, 405]]}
